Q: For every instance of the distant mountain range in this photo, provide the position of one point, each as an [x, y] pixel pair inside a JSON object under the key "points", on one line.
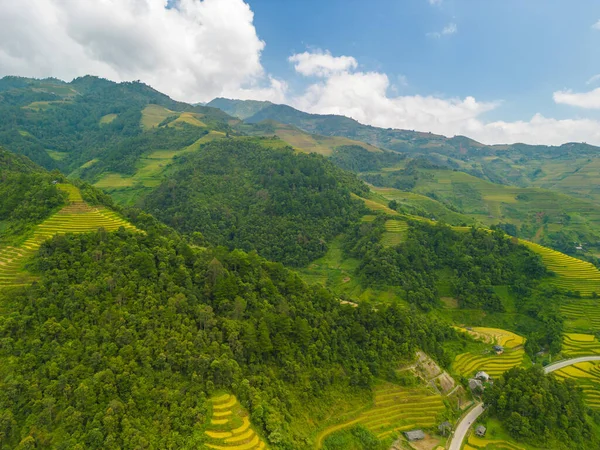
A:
{"points": [[410, 141]]}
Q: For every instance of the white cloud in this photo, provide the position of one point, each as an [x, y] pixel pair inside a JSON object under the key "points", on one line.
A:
{"points": [[448, 30], [593, 79], [321, 64], [193, 51], [596, 26], [588, 100], [368, 98], [435, 2]]}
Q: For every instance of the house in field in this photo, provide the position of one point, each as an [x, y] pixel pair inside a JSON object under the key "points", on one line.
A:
{"points": [[414, 435], [480, 431], [476, 385], [498, 349], [482, 376], [445, 428]]}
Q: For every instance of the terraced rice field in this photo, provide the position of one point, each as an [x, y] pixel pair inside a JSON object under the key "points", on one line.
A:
{"points": [[575, 344], [582, 315], [477, 443], [230, 427], [587, 375], [77, 217], [505, 338], [395, 232], [572, 274], [468, 364], [395, 409]]}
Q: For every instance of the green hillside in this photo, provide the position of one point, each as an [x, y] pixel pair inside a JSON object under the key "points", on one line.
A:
{"points": [[242, 194], [66, 125], [539, 215]]}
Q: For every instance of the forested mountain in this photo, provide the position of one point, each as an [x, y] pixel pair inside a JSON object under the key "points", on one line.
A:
{"points": [[241, 194], [405, 141], [126, 335]]}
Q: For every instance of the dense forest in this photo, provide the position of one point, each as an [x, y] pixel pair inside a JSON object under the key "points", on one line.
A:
{"points": [[125, 335], [243, 195], [541, 409]]}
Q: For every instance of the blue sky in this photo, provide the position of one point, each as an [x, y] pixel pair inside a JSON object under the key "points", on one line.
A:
{"points": [[499, 71], [517, 51]]}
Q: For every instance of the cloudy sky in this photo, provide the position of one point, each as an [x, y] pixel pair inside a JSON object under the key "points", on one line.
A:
{"points": [[495, 70]]}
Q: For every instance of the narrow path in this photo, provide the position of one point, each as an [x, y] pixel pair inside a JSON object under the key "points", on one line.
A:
{"points": [[465, 423]]}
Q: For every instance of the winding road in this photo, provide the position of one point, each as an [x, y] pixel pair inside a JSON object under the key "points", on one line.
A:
{"points": [[465, 423]]}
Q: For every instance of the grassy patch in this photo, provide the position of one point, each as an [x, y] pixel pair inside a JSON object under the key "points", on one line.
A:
{"points": [[153, 115], [57, 156], [104, 120]]}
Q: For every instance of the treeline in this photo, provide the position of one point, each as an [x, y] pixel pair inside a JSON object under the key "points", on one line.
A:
{"points": [[125, 336], [479, 261], [541, 410], [473, 263], [240, 194], [27, 195], [357, 159]]}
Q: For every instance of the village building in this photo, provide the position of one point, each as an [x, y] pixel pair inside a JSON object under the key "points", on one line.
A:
{"points": [[475, 385], [445, 428], [482, 376], [480, 431], [414, 435], [498, 349]]}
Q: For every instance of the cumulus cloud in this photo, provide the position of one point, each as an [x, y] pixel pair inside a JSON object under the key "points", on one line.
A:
{"points": [[448, 30], [366, 97], [596, 26], [588, 100], [193, 50], [321, 64]]}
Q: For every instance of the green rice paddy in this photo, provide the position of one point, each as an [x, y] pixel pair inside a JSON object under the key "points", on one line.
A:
{"points": [[581, 315], [587, 375], [395, 232], [395, 409], [572, 274], [575, 344]]}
